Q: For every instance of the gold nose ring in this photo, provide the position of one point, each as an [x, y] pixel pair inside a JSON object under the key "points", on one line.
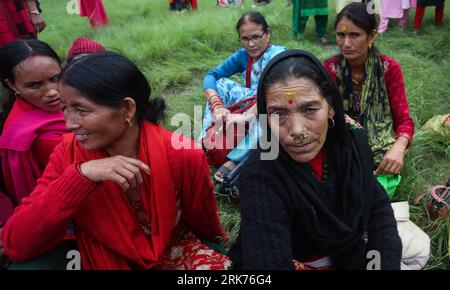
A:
{"points": [[300, 139]]}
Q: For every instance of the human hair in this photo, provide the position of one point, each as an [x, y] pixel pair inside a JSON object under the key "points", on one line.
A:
{"points": [[254, 17], [15, 52], [295, 68], [106, 78], [358, 14], [11, 55]]}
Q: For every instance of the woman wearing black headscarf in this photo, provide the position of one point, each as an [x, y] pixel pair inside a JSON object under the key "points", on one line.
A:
{"points": [[317, 204]]}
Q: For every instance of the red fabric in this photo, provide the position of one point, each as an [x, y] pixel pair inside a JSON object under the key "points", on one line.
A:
{"points": [[317, 165], [248, 72], [403, 123], [418, 18], [420, 13], [42, 149], [20, 106], [190, 254], [83, 45], [194, 5], [14, 21], [23, 163], [107, 232], [95, 11], [439, 15]]}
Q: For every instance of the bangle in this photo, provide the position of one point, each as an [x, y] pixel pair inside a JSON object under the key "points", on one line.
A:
{"points": [[210, 97], [35, 12]]}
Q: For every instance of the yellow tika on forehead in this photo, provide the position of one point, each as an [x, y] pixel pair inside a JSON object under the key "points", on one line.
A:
{"points": [[289, 95]]}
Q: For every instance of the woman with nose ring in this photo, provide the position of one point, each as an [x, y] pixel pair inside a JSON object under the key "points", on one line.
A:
{"points": [[317, 204], [373, 92]]}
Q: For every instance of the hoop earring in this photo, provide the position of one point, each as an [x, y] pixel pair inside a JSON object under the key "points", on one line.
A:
{"points": [[130, 123], [332, 123]]}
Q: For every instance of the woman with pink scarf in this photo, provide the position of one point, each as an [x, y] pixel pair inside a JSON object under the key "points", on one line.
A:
{"points": [[35, 123]]}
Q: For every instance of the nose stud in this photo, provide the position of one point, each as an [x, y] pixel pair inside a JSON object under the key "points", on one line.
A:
{"points": [[300, 139]]}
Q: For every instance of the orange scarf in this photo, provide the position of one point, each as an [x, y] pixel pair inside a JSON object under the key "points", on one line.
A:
{"points": [[108, 234]]}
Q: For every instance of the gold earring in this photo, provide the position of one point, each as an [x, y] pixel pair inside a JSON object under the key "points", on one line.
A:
{"points": [[332, 123], [370, 45], [129, 123]]}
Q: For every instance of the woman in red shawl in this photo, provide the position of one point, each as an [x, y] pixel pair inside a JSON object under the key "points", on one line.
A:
{"points": [[19, 19], [136, 201]]}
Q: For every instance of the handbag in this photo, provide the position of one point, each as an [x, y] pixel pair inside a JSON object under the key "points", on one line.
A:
{"points": [[217, 143], [415, 242], [437, 201]]}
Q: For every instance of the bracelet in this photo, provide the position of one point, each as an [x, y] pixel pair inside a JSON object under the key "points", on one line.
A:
{"points": [[210, 97], [216, 105], [35, 12], [407, 136]]}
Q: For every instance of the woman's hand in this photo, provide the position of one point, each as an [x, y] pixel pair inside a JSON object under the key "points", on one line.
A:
{"points": [[124, 171], [38, 22], [221, 113], [393, 160]]}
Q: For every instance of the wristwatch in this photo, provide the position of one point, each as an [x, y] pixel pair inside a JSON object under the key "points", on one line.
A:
{"points": [[35, 12]]}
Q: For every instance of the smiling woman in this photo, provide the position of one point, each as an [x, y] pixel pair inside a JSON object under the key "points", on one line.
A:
{"points": [[136, 201]]}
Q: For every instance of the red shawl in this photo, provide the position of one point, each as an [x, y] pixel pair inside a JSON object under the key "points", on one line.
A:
{"points": [[108, 235]]}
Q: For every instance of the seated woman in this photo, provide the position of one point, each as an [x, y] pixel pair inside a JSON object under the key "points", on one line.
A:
{"points": [[317, 204], [221, 92], [137, 203], [35, 123], [373, 90]]}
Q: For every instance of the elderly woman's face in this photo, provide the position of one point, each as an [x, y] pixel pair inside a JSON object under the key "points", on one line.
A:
{"points": [[302, 114], [254, 39], [95, 126], [36, 80]]}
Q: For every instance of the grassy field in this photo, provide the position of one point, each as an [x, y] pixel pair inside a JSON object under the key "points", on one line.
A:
{"points": [[176, 50]]}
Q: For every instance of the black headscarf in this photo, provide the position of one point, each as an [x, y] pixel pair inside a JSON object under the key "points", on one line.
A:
{"points": [[335, 216]]}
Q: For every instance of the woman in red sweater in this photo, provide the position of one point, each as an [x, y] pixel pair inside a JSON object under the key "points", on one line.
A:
{"points": [[373, 91], [136, 201]]}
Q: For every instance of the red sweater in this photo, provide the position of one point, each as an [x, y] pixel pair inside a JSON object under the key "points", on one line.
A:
{"points": [[39, 223], [403, 124]]}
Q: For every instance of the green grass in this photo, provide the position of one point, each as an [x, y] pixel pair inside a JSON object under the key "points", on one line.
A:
{"points": [[175, 51]]}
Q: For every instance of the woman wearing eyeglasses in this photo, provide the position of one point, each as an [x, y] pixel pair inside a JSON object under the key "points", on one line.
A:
{"points": [[220, 92]]}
